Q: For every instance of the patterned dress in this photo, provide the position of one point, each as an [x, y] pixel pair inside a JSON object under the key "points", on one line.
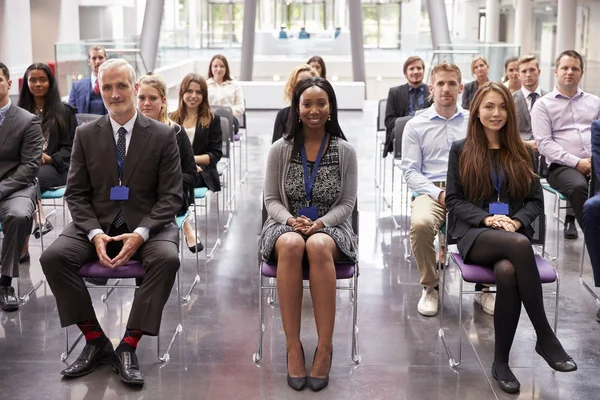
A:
{"points": [[326, 190]]}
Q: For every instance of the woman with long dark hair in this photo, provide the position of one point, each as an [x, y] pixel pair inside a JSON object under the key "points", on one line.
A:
{"points": [[203, 131], [511, 77], [223, 90], [310, 193], [493, 196], [39, 95], [319, 65]]}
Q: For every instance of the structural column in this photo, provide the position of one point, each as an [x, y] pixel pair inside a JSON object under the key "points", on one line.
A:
{"points": [[523, 23], [492, 21], [151, 32], [15, 38], [357, 48], [566, 25], [248, 35], [438, 22]]}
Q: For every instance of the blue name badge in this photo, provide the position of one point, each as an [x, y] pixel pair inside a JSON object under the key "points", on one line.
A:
{"points": [[309, 212], [119, 193], [499, 208]]}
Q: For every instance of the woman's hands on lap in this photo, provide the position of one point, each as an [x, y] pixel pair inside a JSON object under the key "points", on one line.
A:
{"points": [[502, 222], [305, 225]]}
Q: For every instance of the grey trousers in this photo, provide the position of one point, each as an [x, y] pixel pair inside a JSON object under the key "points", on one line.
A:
{"points": [[16, 217], [63, 259]]}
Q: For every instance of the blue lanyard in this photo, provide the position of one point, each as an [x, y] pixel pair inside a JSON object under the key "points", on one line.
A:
{"points": [[120, 163], [310, 180], [497, 180]]}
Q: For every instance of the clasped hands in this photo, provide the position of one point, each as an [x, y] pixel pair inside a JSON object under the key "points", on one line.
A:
{"points": [[504, 222], [131, 243], [305, 225]]}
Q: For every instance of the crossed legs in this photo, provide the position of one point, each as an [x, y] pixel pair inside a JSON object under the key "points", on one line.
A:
{"points": [[322, 252]]}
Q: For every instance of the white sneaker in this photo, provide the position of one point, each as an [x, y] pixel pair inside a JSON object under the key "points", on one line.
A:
{"points": [[487, 301], [428, 305]]}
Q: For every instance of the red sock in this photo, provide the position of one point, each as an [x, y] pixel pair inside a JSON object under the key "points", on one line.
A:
{"points": [[93, 332], [130, 340]]}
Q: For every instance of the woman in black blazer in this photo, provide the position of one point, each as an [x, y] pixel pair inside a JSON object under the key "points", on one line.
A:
{"points": [[281, 120], [203, 130], [39, 95], [493, 196], [479, 69]]}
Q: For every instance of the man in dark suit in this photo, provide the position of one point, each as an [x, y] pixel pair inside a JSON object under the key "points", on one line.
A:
{"points": [[525, 98], [85, 93], [21, 145], [123, 190], [405, 100]]}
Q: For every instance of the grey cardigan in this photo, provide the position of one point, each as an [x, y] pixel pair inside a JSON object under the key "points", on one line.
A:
{"points": [[276, 202]]}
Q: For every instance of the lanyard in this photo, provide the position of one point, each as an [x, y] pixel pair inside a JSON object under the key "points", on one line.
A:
{"points": [[497, 180], [120, 163], [310, 180]]}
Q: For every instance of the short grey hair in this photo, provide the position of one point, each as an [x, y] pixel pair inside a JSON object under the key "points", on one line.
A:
{"points": [[116, 63]]}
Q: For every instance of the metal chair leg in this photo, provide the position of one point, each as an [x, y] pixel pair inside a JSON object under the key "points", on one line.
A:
{"points": [[261, 321], [355, 354]]}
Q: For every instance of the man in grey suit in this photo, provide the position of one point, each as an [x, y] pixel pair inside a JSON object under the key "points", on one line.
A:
{"points": [[21, 144], [525, 98], [405, 100], [124, 189]]}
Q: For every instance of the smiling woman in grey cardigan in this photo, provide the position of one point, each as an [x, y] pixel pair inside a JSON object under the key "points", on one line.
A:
{"points": [[316, 228]]}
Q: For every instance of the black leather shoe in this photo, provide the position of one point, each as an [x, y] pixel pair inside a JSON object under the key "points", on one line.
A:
{"points": [[127, 366], [197, 248], [567, 365], [508, 386], [90, 358], [46, 227], [24, 257], [8, 300], [300, 382], [570, 230], [317, 384]]}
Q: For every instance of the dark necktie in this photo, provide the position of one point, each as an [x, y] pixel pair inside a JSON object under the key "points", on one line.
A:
{"points": [[533, 96], [121, 148], [416, 105]]}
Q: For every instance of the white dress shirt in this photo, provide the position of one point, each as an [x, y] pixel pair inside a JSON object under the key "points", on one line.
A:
{"points": [[426, 143], [141, 230], [526, 94], [93, 80], [228, 93]]}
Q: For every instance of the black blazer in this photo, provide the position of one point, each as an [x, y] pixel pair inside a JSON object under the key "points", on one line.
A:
{"points": [[467, 214], [60, 143], [281, 124], [398, 105], [210, 141], [188, 167], [468, 93]]}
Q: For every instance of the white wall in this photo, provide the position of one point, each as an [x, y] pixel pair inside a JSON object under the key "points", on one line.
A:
{"points": [[95, 23], [15, 38]]}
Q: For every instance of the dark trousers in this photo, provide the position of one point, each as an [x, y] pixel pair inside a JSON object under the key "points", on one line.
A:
{"points": [[50, 177], [572, 184], [63, 259], [591, 232], [16, 217]]}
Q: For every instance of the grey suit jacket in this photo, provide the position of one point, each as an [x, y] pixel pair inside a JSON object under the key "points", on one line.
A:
{"points": [[21, 143], [523, 115], [152, 172]]}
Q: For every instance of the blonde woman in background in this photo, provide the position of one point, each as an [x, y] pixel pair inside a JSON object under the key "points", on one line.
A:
{"points": [[479, 69], [281, 121]]}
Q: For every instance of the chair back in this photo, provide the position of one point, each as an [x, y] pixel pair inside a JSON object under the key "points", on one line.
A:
{"points": [[85, 118], [381, 115], [593, 185], [226, 129], [225, 112], [399, 131], [242, 119]]}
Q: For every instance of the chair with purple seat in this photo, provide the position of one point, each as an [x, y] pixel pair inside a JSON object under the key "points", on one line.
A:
{"points": [[479, 274], [267, 279]]}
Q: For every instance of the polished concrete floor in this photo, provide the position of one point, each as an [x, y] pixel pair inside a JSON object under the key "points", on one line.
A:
{"points": [[402, 355]]}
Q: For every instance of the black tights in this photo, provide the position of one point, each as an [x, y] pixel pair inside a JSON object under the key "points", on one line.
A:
{"points": [[517, 280]]}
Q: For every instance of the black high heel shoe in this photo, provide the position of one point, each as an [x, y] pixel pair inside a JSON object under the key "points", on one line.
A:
{"points": [[296, 383], [567, 365], [317, 384]]}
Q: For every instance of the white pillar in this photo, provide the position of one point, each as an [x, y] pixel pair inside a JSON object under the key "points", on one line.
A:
{"points": [[523, 24], [410, 17], [492, 20], [116, 13], [565, 29], [193, 32], [68, 26], [466, 20], [266, 16], [15, 38], [340, 15], [438, 22]]}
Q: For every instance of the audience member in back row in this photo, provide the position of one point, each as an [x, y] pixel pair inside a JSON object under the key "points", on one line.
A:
{"points": [[405, 100], [479, 69], [511, 74], [561, 123], [591, 211], [282, 119], [20, 157], [203, 130], [223, 90], [525, 98], [85, 93], [39, 95], [493, 196], [319, 65], [425, 147], [310, 194]]}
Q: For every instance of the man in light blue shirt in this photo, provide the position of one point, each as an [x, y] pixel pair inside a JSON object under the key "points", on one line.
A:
{"points": [[426, 145]]}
